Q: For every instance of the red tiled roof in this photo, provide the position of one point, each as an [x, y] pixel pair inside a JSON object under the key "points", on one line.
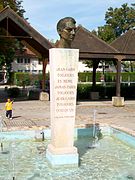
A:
{"points": [[25, 53], [19, 28], [125, 43], [86, 41]]}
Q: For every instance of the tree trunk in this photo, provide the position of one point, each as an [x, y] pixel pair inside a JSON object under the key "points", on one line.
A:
{"points": [[118, 83], [95, 66], [45, 61]]}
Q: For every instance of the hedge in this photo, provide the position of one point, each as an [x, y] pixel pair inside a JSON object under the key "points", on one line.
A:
{"points": [[83, 91], [26, 79], [109, 76], [13, 92], [87, 76]]}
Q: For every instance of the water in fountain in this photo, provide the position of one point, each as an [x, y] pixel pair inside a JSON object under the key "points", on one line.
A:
{"points": [[43, 137], [113, 159], [1, 143], [3, 151], [94, 142], [12, 159]]}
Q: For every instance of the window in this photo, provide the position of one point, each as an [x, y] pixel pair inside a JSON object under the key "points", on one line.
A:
{"points": [[19, 60], [27, 70], [27, 60], [34, 71], [40, 71], [20, 70]]}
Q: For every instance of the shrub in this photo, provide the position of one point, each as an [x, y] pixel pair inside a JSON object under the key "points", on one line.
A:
{"points": [[83, 91], [34, 95], [128, 91], [109, 76], [26, 79], [13, 92], [87, 76], [21, 79]]}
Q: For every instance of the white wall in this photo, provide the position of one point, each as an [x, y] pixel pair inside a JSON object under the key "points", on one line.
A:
{"points": [[32, 67]]}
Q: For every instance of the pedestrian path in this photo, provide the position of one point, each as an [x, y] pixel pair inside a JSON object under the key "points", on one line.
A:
{"points": [[36, 114]]}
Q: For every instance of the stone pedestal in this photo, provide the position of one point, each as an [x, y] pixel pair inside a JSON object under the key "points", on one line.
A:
{"points": [[63, 87], [118, 101], [44, 96], [62, 157]]}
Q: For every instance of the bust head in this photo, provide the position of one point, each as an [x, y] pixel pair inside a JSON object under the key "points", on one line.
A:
{"points": [[66, 30]]}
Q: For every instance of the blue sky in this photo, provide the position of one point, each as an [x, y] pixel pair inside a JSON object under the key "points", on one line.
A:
{"points": [[43, 15]]}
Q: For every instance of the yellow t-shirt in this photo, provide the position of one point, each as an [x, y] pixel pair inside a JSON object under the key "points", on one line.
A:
{"points": [[8, 106]]}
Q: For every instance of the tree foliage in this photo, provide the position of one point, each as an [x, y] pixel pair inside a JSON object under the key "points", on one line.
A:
{"points": [[118, 21], [14, 4], [7, 49]]}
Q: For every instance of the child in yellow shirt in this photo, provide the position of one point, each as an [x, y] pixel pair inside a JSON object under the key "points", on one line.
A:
{"points": [[8, 107]]}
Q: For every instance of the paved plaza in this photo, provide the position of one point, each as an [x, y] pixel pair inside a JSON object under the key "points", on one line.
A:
{"points": [[36, 114]]}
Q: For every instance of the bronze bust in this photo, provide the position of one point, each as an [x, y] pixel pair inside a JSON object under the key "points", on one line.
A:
{"points": [[66, 29]]}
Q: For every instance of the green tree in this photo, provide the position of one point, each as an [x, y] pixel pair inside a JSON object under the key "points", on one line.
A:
{"points": [[121, 19], [118, 21], [106, 33], [14, 4], [89, 63]]}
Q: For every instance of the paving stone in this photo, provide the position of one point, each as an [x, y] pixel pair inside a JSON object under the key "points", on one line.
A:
{"points": [[21, 123], [32, 114]]}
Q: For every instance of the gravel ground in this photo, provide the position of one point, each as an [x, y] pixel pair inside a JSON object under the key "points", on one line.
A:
{"points": [[36, 114]]}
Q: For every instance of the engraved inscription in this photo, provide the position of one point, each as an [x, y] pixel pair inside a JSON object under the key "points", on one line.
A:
{"points": [[65, 92]]}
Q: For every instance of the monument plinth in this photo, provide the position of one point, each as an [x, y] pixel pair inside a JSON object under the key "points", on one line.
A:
{"points": [[118, 101], [63, 87]]}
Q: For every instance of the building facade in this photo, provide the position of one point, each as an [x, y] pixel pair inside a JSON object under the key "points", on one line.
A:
{"points": [[27, 61]]}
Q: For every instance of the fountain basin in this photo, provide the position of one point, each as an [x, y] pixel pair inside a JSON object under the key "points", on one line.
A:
{"points": [[113, 158]]}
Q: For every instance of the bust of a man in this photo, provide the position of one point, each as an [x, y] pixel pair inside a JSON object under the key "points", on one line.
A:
{"points": [[66, 29]]}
